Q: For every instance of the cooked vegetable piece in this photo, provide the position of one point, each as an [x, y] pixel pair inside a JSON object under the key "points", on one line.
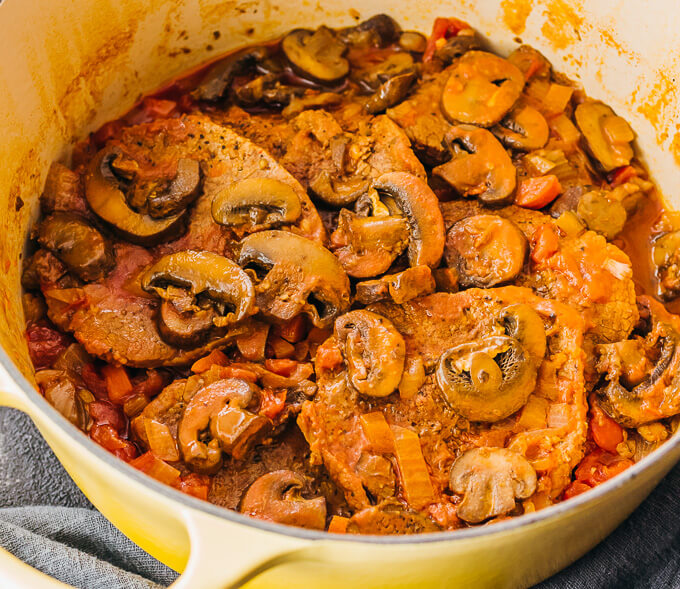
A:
{"points": [[221, 407], [607, 135], [601, 214], [485, 250], [479, 166], [378, 432], [199, 291], [524, 128], [276, 496], [81, 247], [367, 246], [300, 277], [443, 29], [316, 54], [666, 257], [338, 193], [486, 380], [490, 480], [415, 477], [481, 89], [526, 326], [390, 93], [256, 203], [378, 31], [415, 199], [536, 193], [412, 41], [107, 199], [374, 352]]}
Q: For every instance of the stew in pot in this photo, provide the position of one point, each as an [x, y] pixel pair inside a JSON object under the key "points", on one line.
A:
{"points": [[362, 280]]}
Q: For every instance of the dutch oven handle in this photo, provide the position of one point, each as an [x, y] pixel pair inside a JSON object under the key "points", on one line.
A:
{"points": [[15, 573], [229, 558]]}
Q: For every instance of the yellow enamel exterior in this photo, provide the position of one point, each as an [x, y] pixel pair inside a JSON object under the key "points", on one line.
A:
{"points": [[67, 68]]}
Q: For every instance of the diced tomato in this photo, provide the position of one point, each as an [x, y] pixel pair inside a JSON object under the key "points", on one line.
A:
{"points": [[205, 363], [45, 344], [295, 330], [104, 413], [281, 366], [196, 485], [544, 242], [150, 464], [443, 28], [600, 466], [149, 385], [328, 356], [607, 434], [108, 438], [575, 488], [94, 382], [621, 175], [118, 383], [535, 193], [272, 403]]}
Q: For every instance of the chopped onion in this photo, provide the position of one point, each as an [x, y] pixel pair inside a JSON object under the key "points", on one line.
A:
{"points": [[161, 442]]}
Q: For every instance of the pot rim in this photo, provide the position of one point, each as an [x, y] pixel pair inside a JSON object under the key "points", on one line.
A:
{"points": [[511, 525]]}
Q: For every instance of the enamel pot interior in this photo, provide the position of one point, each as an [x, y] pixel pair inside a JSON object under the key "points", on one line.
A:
{"points": [[67, 68]]}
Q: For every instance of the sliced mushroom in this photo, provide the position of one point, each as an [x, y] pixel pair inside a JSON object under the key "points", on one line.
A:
{"points": [[420, 205], [297, 276], [276, 496], [219, 407], [374, 352], [455, 47], [200, 291], [490, 480], [309, 101], [268, 90], [256, 203], [608, 136], [367, 246], [479, 166], [218, 78], [525, 325], [481, 89], [338, 193], [601, 214], [105, 194], [160, 199], [81, 247], [658, 395], [524, 128], [396, 64], [486, 250], [316, 54], [378, 31], [486, 380], [390, 93], [666, 258], [398, 288]]}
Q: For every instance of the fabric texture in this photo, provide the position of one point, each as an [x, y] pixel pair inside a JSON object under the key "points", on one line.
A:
{"points": [[46, 521]]}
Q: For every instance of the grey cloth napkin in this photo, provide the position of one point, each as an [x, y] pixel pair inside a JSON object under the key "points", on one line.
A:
{"points": [[46, 521]]}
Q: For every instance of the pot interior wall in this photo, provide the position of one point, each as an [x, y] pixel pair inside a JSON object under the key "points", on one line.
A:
{"points": [[69, 67]]}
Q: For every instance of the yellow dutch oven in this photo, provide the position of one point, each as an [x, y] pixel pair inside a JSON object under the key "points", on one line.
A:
{"points": [[68, 67]]}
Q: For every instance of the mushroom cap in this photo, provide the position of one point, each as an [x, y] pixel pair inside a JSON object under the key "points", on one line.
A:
{"points": [[608, 136], [316, 54], [420, 205], [107, 200], [491, 479], [276, 496], [257, 203], [486, 380], [481, 89], [480, 166], [374, 352], [219, 76], [301, 276], [524, 128]]}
